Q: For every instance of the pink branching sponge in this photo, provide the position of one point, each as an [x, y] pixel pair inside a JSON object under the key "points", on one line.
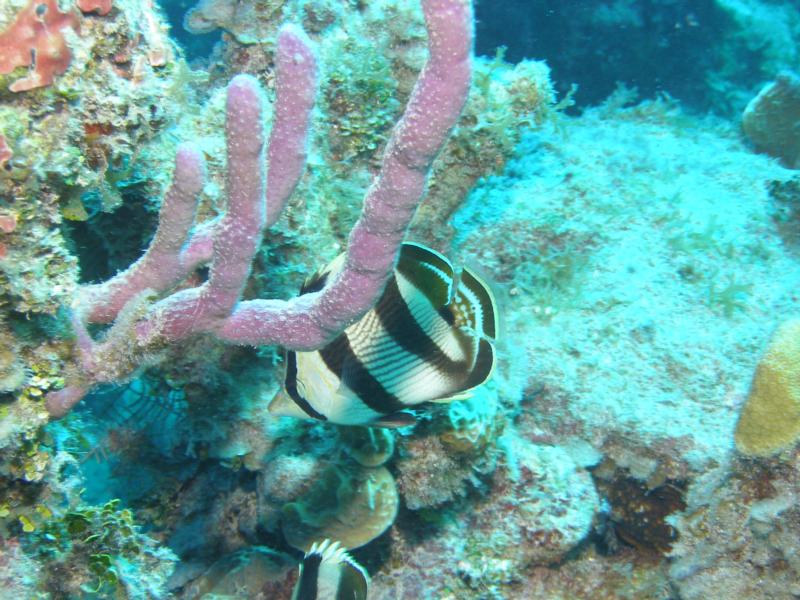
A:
{"points": [[257, 191], [35, 39]]}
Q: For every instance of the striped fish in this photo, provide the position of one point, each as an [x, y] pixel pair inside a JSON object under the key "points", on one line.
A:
{"points": [[328, 573], [428, 339]]}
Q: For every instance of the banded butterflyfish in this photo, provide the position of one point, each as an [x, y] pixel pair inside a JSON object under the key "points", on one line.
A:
{"points": [[328, 573], [429, 338]]}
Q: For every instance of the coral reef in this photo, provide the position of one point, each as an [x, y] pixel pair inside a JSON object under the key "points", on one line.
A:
{"points": [[640, 256], [70, 149], [104, 542], [548, 504], [249, 22], [533, 509], [370, 70], [691, 352], [304, 323], [67, 145], [448, 456]]}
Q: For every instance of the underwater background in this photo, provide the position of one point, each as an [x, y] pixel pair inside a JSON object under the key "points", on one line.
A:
{"points": [[623, 175]]}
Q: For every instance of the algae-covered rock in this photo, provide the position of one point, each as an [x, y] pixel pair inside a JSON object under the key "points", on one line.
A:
{"points": [[444, 458], [542, 505], [738, 535], [770, 419], [248, 22], [255, 572], [12, 370], [99, 552], [352, 507]]}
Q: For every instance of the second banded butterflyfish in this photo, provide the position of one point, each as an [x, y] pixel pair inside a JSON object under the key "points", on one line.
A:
{"points": [[429, 338], [329, 573]]}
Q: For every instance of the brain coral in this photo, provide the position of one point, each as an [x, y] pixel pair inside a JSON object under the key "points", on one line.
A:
{"points": [[770, 419], [770, 120]]}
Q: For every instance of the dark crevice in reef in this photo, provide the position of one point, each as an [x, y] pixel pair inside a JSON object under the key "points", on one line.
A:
{"points": [[108, 242], [638, 514], [197, 47]]}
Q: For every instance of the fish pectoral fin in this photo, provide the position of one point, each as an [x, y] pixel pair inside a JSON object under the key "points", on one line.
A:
{"points": [[282, 405], [394, 420]]}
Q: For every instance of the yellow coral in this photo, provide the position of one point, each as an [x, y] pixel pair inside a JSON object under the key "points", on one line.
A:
{"points": [[770, 419]]}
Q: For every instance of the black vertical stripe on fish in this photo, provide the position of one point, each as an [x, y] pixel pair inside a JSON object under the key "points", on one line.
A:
{"points": [[447, 315], [339, 357], [290, 384], [403, 328], [484, 363], [485, 301], [309, 574]]}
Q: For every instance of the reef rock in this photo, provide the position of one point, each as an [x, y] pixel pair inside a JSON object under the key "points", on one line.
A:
{"points": [[772, 119], [738, 536], [542, 506]]}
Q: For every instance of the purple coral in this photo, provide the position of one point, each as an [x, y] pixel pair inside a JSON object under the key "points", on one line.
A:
{"points": [[303, 323]]}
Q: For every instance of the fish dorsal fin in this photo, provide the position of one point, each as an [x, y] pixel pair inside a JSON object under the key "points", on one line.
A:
{"points": [[329, 573], [474, 306], [314, 283], [430, 271], [320, 278]]}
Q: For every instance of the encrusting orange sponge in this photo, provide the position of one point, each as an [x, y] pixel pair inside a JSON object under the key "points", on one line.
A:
{"points": [[770, 419], [36, 40]]}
